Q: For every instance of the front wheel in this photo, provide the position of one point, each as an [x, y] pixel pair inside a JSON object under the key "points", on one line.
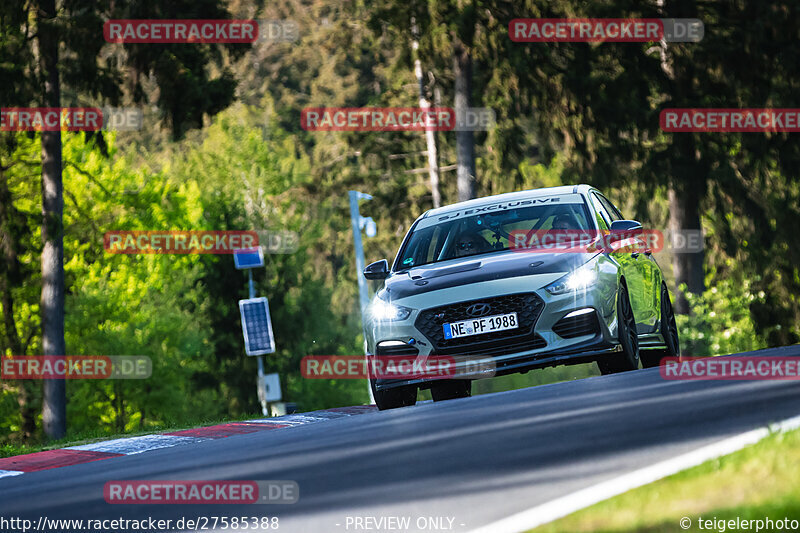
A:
{"points": [[628, 358], [404, 396], [669, 330]]}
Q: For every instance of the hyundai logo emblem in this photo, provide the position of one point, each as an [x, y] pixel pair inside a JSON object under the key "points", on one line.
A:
{"points": [[478, 309]]}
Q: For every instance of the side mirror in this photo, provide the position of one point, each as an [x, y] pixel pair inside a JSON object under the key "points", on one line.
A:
{"points": [[624, 229], [377, 270]]}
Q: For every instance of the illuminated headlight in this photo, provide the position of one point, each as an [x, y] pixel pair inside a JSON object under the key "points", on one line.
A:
{"points": [[574, 281], [388, 312]]}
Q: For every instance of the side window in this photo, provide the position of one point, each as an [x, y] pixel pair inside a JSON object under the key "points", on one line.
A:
{"points": [[417, 250], [603, 218], [580, 215], [611, 209]]}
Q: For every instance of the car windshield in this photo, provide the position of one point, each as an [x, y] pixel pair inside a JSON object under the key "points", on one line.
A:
{"points": [[462, 236]]}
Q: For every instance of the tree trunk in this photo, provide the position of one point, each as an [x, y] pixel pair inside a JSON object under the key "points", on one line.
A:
{"points": [[685, 197], [9, 278], [465, 142], [430, 135], [54, 416], [687, 188]]}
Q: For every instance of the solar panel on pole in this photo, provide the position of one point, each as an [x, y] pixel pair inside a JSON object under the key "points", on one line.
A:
{"points": [[256, 326]]}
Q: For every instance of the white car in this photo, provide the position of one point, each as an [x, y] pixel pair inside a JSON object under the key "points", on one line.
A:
{"points": [[461, 285]]}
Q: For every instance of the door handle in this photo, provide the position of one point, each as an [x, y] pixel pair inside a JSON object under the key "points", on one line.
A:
{"points": [[635, 254]]}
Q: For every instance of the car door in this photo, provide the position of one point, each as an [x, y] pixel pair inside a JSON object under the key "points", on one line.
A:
{"points": [[629, 264], [649, 272]]}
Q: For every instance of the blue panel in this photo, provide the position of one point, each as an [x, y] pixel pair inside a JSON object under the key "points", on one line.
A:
{"points": [[249, 258], [447, 332]]}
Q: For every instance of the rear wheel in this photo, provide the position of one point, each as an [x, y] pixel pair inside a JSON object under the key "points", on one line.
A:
{"points": [[450, 389], [628, 357], [669, 330], [393, 398]]}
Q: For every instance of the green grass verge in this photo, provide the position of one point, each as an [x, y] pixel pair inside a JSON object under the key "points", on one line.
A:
{"points": [[77, 439], [759, 481]]}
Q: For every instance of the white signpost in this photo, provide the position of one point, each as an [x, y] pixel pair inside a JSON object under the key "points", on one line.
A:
{"points": [[270, 387]]}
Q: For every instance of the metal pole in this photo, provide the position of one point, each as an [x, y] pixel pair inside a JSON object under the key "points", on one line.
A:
{"points": [[250, 283], [355, 218], [363, 289], [260, 379]]}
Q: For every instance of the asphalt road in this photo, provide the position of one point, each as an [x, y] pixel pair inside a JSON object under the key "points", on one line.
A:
{"points": [[472, 461]]}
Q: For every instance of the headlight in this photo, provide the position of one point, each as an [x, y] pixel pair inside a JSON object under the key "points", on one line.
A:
{"points": [[577, 280], [389, 312]]}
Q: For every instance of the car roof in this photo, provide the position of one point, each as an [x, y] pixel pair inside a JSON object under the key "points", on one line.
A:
{"points": [[510, 197]]}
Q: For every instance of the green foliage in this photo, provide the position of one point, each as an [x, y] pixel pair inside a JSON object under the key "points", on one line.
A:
{"points": [[538, 175], [720, 322], [249, 176], [566, 113], [181, 310], [150, 305]]}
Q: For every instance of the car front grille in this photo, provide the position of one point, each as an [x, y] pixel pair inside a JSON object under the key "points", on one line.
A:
{"points": [[528, 307]]}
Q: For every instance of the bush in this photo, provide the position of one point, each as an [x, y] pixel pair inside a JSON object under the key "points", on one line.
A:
{"points": [[720, 321]]}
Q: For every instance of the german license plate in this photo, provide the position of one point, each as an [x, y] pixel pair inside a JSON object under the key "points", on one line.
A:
{"points": [[477, 326]]}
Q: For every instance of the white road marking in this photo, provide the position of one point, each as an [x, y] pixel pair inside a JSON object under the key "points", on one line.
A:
{"points": [[289, 420], [565, 505], [145, 443], [134, 445]]}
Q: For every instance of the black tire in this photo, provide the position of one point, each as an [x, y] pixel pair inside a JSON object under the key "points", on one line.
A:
{"points": [[450, 389], [628, 358], [669, 330], [404, 396]]}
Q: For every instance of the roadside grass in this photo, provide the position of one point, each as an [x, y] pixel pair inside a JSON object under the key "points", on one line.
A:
{"points": [[759, 481], [534, 378], [88, 437]]}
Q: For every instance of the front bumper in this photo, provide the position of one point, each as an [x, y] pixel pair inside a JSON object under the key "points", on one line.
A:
{"points": [[584, 352], [513, 352]]}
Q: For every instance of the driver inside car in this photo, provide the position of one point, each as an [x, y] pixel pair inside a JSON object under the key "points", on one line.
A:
{"points": [[470, 243], [565, 222]]}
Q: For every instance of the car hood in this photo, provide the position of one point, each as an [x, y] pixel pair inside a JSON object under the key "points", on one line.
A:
{"points": [[457, 272]]}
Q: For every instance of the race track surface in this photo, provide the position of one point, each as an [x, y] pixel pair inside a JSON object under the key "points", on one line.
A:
{"points": [[464, 462]]}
